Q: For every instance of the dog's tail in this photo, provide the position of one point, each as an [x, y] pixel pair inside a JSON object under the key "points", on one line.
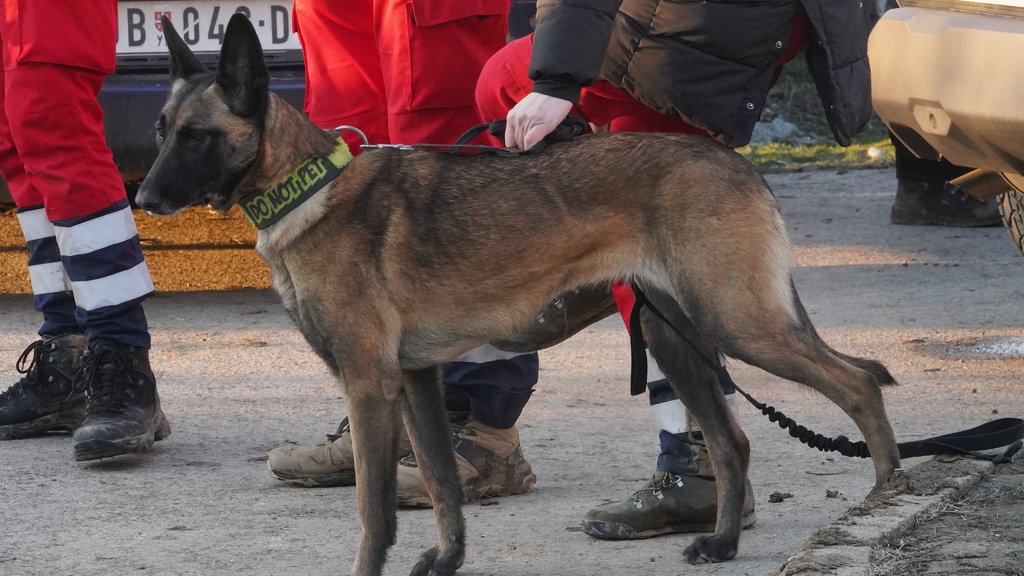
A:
{"points": [[873, 367]]}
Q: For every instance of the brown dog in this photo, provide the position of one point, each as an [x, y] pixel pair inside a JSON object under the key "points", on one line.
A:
{"points": [[392, 268]]}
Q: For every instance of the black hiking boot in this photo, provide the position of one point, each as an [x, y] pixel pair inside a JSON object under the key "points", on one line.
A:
{"points": [[45, 399], [941, 204], [124, 412]]}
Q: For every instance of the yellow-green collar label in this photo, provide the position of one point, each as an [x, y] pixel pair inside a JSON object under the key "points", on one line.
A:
{"points": [[267, 207]]}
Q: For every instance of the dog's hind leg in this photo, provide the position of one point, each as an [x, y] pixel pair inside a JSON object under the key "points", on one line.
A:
{"points": [[687, 364], [427, 423], [789, 347], [856, 391], [374, 421]]}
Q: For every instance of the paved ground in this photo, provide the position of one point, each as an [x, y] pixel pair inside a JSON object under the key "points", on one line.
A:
{"points": [[940, 306], [977, 532]]}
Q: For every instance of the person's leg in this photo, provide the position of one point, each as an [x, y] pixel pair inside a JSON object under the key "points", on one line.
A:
{"points": [[344, 83], [44, 400], [681, 496], [65, 153], [431, 54], [504, 80], [486, 390], [925, 197]]}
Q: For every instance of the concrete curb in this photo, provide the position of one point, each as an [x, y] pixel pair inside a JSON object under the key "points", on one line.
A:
{"points": [[843, 548]]}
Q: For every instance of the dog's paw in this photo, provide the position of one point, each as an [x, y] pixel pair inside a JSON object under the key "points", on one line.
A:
{"points": [[899, 482], [433, 563], [714, 548]]}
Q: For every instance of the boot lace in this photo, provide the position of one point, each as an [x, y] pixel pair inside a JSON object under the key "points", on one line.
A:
{"points": [[105, 374], [654, 489], [343, 429], [29, 371]]}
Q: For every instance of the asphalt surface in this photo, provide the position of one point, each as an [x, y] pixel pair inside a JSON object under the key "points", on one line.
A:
{"points": [[940, 306]]}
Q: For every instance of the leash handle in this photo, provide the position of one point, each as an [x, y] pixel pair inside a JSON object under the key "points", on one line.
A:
{"points": [[567, 129], [990, 435], [495, 128]]}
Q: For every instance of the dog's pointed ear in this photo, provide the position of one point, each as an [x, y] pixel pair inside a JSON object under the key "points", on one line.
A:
{"points": [[242, 73], [183, 62]]}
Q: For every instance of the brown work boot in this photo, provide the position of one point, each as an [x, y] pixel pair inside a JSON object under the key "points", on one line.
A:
{"points": [[323, 465], [668, 503], [490, 463]]}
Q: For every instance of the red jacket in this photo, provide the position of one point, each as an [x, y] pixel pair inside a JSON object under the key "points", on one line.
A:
{"points": [[80, 33]]}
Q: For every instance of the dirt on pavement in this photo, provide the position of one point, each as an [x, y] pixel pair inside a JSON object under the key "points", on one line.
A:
{"points": [[980, 533]]}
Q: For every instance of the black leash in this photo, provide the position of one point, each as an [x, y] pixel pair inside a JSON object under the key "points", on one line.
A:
{"points": [[991, 435], [569, 128]]}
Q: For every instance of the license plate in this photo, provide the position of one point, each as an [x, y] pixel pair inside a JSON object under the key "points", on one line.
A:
{"points": [[201, 24]]}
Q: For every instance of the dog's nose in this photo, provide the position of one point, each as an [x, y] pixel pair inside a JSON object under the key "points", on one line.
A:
{"points": [[144, 199], [142, 202]]}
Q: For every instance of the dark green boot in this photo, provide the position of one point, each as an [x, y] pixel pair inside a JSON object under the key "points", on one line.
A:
{"points": [[941, 204], [124, 412], [669, 502], [45, 399]]}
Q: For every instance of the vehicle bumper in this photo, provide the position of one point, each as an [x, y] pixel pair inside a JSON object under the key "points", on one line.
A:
{"points": [[949, 84], [131, 106]]}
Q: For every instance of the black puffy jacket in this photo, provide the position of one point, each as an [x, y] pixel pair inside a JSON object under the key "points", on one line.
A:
{"points": [[708, 62]]}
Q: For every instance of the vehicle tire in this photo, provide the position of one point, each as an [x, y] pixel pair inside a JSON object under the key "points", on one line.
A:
{"points": [[1012, 209]]}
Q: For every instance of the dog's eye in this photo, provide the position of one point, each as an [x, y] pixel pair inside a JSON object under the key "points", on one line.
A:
{"points": [[161, 129], [193, 134]]}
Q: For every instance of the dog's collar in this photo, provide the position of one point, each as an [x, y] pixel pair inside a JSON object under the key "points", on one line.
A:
{"points": [[264, 208]]}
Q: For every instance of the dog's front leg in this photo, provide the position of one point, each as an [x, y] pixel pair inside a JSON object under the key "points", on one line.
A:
{"points": [[373, 417], [427, 423]]}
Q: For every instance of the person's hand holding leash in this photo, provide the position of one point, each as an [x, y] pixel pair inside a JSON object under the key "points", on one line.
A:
{"points": [[533, 118]]}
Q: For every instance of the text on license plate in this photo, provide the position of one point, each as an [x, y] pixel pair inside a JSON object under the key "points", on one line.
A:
{"points": [[201, 24]]}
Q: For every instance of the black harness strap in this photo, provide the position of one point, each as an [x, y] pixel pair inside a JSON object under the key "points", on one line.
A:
{"points": [[991, 435]]}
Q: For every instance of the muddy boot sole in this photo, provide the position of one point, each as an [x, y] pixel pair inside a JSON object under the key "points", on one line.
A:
{"points": [[64, 422], [915, 218], [619, 531], [97, 449], [472, 493], [332, 480]]}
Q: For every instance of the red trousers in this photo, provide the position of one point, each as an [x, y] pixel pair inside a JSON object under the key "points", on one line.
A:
{"points": [[402, 71], [504, 81], [52, 147]]}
